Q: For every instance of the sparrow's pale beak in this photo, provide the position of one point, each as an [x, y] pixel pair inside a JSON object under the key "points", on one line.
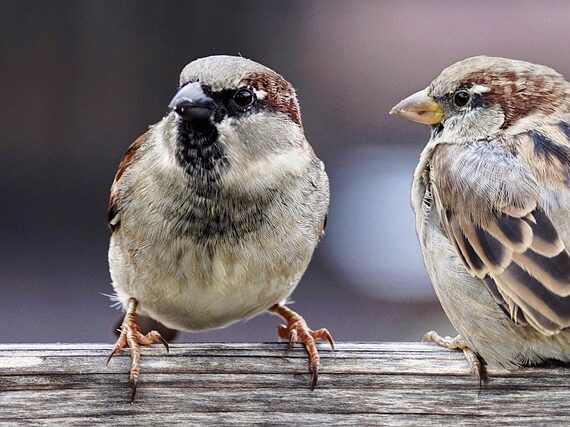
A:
{"points": [[192, 104], [420, 108]]}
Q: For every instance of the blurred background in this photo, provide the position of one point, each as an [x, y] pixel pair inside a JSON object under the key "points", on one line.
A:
{"points": [[80, 80]]}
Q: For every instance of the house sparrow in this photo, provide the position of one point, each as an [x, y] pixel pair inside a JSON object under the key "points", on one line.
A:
{"points": [[215, 211], [491, 195]]}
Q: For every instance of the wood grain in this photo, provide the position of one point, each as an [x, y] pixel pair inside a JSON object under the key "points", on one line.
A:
{"points": [[234, 384]]}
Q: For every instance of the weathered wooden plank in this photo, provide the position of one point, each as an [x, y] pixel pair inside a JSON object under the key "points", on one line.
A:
{"points": [[98, 401], [287, 419], [236, 384]]}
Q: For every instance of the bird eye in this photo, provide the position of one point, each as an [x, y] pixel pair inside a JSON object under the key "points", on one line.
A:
{"points": [[461, 98], [244, 97]]}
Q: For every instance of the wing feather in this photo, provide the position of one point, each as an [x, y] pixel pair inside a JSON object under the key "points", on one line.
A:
{"points": [[113, 214], [473, 263], [489, 208]]}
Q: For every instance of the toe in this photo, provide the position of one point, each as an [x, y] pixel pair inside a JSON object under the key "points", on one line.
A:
{"points": [[283, 332], [323, 335], [164, 343], [119, 345], [134, 390], [153, 337], [293, 338], [428, 336], [474, 364], [115, 351], [314, 367]]}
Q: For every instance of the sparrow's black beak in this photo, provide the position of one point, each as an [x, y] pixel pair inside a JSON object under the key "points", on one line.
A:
{"points": [[192, 104]]}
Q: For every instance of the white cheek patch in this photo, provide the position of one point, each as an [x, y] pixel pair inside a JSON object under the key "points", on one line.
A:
{"points": [[480, 89], [260, 94], [290, 161], [262, 173]]}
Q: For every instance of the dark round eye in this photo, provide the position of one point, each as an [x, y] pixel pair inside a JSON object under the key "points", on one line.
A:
{"points": [[461, 98], [244, 97]]}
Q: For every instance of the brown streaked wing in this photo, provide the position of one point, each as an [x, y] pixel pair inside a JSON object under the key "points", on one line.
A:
{"points": [[472, 262], [488, 200], [528, 277], [508, 308], [113, 211]]}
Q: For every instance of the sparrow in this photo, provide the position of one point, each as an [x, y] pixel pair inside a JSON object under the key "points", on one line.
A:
{"points": [[216, 210], [491, 196]]}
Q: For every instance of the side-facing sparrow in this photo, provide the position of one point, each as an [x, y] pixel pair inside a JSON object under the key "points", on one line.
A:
{"points": [[491, 195], [215, 211]]}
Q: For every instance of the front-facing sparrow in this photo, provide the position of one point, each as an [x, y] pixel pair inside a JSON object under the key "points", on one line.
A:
{"points": [[491, 195], [215, 211]]}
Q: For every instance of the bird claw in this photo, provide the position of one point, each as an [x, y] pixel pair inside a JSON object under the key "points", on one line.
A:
{"points": [[314, 368], [131, 337], [297, 330], [457, 343]]}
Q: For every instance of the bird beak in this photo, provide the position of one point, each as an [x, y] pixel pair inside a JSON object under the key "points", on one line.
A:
{"points": [[192, 104], [420, 108]]}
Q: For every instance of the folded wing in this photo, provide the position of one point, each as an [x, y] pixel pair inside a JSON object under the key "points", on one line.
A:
{"points": [[508, 241]]}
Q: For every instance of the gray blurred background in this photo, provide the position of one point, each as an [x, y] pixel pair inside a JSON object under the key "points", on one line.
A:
{"points": [[80, 80]]}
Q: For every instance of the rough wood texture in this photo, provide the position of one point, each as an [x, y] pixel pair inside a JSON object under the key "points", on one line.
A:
{"points": [[361, 383]]}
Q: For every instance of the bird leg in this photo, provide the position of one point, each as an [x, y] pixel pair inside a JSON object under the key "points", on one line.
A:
{"points": [[297, 330], [131, 336], [457, 343]]}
